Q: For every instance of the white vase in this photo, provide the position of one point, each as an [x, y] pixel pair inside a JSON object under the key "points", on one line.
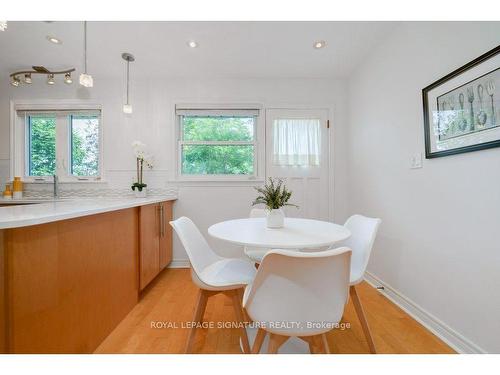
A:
{"points": [[140, 194], [275, 218]]}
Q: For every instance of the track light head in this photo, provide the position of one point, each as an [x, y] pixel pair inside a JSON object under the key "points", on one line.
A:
{"points": [[15, 81], [67, 79]]}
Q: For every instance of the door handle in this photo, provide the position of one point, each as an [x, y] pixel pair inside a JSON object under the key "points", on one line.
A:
{"points": [[162, 221]]}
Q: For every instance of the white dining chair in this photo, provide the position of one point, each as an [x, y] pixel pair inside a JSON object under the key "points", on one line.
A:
{"points": [[363, 232], [213, 274], [298, 294], [257, 253]]}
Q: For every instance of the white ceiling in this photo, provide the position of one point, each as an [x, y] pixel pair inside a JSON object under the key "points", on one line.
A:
{"points": [[226, 49]]}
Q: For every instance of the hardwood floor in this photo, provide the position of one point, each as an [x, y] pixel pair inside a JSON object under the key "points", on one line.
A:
{"points": [[171, 299]]}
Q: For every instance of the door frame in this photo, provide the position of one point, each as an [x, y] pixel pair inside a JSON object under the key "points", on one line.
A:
{"points": [[330, 170]]}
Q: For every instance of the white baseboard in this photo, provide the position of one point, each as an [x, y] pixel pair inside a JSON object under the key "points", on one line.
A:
{"points": [[451, 337], [180, 263]]}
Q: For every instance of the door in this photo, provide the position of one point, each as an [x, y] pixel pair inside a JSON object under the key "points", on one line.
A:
{"points": [[297, 151]]}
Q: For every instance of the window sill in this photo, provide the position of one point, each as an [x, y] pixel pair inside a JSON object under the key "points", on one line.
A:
{"points": [[77, 182], [208, 183]]}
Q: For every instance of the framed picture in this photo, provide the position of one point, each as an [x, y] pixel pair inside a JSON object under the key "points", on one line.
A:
{"points": [[462, 109]]}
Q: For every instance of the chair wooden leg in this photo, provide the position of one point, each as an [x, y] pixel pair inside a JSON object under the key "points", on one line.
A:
{"points": [[362, 318], [275, 341], [310, 340], [201, 304], [311, 348], [241, 292], [238, 310], [326, 347], [259, 340]]}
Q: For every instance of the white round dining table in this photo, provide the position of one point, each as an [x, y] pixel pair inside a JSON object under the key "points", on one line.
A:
{"points": [[296, 233]]}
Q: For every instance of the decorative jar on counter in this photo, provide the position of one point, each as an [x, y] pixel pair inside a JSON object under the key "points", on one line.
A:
{"points": [[17, 188], [7, 193]]}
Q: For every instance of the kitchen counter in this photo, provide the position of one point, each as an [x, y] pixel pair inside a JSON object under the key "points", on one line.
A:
{"points": [[28, 213], [72, 268]]}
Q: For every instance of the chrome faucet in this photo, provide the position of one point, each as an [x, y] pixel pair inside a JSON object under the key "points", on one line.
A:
{"points": [[56, 186]]}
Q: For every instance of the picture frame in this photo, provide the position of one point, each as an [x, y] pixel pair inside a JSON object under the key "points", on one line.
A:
{"points": [[462, 109]]}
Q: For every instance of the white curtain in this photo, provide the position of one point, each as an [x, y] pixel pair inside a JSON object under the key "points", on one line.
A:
{"points": [[296, 142]]}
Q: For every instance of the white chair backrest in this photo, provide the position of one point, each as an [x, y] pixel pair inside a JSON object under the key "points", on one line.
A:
{"points": [[363, 232], [197, 248], [300, 287], [258, 212]]}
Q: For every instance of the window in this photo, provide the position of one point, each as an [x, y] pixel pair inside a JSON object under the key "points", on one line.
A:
{"points": [[218, 144], [66, 143], [84, 145], [41, 150]]}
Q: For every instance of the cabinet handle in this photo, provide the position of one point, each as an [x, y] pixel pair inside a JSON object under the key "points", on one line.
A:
{"points": [[162, 221]]}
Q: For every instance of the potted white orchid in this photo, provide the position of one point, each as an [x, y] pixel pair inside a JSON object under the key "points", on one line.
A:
{"points": [[139, 187]]}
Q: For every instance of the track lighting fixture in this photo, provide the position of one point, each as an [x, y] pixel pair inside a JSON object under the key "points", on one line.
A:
{"points": [[40, 70]]}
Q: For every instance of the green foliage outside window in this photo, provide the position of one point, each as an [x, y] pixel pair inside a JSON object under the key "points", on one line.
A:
{"points": [[218, 159], [42, 139], [84, 147]]}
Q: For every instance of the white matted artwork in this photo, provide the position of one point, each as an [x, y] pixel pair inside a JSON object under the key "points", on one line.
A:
{"points": [[462, 109]]}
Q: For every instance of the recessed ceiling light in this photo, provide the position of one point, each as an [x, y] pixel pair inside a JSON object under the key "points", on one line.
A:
{"points": [[54, 40], [319, 44], [192, 44]]}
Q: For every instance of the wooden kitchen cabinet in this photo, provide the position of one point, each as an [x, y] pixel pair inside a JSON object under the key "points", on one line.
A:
{"points": [[166, 237], [155, 240]]}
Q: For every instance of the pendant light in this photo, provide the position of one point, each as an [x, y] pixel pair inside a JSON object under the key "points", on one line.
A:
{"points": [[127, 107], [85, 79]]}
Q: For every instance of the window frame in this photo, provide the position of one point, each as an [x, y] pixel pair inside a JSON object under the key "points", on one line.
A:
{"points": [[20, 140], [258, 143]]}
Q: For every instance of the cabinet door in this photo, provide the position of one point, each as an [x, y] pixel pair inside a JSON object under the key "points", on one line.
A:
{"points": [[165, 234], [149, 225]]}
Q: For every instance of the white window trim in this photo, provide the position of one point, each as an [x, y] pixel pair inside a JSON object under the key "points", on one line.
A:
{"points": [[18, 140], [258, 143]]}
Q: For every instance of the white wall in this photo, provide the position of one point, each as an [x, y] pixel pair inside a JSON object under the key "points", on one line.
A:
{"points": [[153, 123], [439, 243]]}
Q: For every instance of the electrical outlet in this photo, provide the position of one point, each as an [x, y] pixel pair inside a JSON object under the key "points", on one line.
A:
{"points": [[416, 161]]}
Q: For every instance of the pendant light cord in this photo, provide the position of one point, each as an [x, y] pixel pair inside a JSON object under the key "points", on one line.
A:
{"points": [[85, 45], [128, 72]]}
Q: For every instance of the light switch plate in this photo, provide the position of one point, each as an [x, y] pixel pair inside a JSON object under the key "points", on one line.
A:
{"points": [[416, 161]]}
